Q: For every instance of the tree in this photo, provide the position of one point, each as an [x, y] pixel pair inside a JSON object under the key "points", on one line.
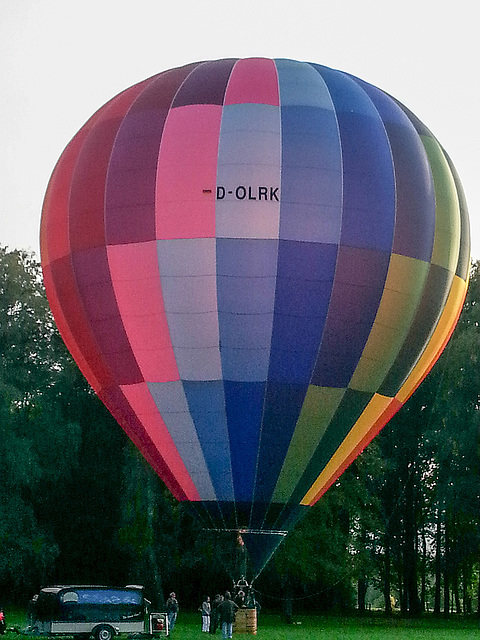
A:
{"points": [[453, 441], [51, 426], [26, 368]]}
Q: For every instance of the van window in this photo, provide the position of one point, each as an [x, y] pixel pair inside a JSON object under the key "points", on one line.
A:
{"points": [[107, 596], [69, 596]]}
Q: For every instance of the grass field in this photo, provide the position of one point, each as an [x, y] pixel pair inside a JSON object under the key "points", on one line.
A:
{"points": [[270, 627]]}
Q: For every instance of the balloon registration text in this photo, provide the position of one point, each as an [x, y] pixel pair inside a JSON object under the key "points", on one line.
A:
{"points": [[249, 193]]}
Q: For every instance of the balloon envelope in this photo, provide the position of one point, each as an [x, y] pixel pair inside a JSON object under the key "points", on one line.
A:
{"points": [[254, 263]]}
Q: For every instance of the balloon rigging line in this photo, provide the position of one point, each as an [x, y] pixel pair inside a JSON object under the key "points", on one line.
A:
{"points": [[298, 598], [267, 532]]}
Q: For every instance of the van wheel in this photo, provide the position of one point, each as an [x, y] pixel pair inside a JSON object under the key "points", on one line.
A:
{"points": [[104, 633]]}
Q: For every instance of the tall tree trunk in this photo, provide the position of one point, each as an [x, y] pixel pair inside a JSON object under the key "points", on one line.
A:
{"points": [[362, 593], [362, 578], [446, 571], [396, 555], [386, 576], [478, 600], [410, 545], [466, 594], [423, 597], [401, 587], [438, 563], [456, 594], [152, 568], [446, 594]]}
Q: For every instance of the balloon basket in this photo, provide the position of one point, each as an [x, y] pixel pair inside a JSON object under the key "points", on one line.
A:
{"points": [[246, 621]]}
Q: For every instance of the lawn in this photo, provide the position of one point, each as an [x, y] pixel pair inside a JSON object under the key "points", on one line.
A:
{"points": [[310, 627], [270, 627]]}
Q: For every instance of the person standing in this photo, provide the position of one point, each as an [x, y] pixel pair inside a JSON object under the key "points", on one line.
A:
{"points": [[205, 610], [214, 613], [3, 624], [240, 599], [172, 611], [226, 614]]}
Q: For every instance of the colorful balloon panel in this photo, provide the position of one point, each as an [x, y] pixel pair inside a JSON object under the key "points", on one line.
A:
{"points": [[254, 263]]}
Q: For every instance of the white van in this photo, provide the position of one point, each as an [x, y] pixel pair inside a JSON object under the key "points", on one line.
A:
{"points": [[94, 610]]}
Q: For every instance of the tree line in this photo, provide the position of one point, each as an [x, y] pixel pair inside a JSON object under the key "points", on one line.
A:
{"points": [[399, 530]]}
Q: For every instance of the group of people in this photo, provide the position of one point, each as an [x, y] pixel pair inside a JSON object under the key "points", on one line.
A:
{"points": [[219, 613]]}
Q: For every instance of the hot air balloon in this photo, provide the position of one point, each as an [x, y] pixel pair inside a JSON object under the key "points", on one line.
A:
{"points": [[254, 263]]}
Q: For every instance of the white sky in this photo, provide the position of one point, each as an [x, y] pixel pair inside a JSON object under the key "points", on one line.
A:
{"points": [[61, 60]]}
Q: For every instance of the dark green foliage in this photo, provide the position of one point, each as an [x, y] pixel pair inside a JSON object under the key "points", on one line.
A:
{"points": [[27, 548]]}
